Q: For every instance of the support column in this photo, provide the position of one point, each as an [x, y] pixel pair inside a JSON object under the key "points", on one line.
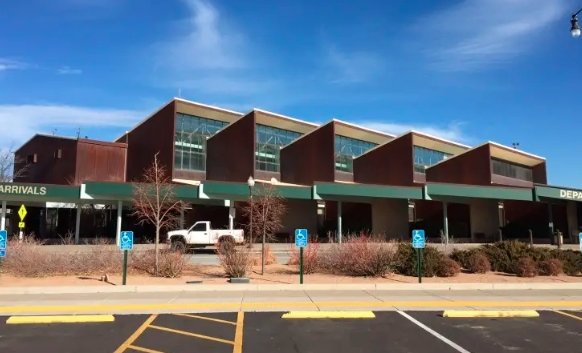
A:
{"points": [[118, 225], [231, 215], [78, 223], [551, 223], [181, 218], [446, 221], [3, 222], [572, 216], [339, 222]]}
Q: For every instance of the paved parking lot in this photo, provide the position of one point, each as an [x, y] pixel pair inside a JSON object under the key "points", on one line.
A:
{"points": [[390, 331]]}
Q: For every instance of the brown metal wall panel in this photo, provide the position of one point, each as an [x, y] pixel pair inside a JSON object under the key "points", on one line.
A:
{"points": [[310, 158], [389, 164], [98, 161], [540, 174], [230, 154], [48, 168], [472, 168], [507, 181], [155, 135]]}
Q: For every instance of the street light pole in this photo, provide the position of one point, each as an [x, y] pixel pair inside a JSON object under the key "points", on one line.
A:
{"points": [[251, 183], [574, 26]]}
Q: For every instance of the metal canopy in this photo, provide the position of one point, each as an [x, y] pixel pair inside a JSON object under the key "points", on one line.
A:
{"points": [[240, 191], [363, 192], [542, 193], [442, 192]]}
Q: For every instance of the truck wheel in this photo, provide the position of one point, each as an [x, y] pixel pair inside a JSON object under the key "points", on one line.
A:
{"points": [[178, 245], [225, 244]]}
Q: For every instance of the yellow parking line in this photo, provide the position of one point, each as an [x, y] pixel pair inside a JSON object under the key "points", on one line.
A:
{"points": [[569, 315], [142, 349], [490, 313], [238, 336], [136, 334], [191, 334], [329, 315], [207, 318], [58, 319]]}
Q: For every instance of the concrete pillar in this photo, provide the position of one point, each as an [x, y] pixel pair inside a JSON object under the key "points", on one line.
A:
{"points": [[231, 215], [181, 218], [446, 221], [390, 217], [572, 214], [118, 225], [339, 222], [551, 223], [78, 223], [3, 221], [484, 219]]}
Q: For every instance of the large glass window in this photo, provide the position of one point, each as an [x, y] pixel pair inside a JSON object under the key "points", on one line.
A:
{"points": [[511, 170], [346, 149], [269, 142], [425, 157], [190, 143]]}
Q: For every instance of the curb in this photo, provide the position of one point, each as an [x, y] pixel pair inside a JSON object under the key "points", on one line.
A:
{"points": [[286, 287], [58, 319]]}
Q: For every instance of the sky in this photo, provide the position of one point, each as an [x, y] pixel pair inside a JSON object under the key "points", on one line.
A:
{"points": [[467, 70]]}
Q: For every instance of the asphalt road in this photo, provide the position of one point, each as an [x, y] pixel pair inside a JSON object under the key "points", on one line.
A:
{"points": [[207, 256], [268, 332]]}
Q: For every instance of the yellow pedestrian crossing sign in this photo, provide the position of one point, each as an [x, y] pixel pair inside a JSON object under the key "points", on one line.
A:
{"points": [[22, 212]]}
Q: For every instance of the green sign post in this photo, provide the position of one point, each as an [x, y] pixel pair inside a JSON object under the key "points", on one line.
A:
{"points": [[419, 243], [301, 242], [125, 244]]}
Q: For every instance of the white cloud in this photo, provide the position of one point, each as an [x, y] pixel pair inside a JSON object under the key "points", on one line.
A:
{"points": [[208, 44], [22, 121], [66, 70], [476, 34], [453, 131], [8, 64], [354, 66]]}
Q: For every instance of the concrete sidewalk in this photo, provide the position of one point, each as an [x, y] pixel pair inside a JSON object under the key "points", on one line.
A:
{"points": [[281, 298]]}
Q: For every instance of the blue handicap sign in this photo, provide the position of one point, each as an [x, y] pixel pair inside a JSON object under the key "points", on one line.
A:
{"points": [[301, 238], [3, 239], [418, 239], [580, 240], [126, 242]]}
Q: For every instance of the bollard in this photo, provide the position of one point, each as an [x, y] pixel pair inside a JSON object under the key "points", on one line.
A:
{"points": [[530, 238], [500, 235]]}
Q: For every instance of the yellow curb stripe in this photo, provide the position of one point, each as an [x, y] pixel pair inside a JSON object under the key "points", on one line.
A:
{"points": [[490, 313], [136, 334], [206, 318], [329, 315], [185, 333], [58, 319], [568, 314], [238, 335], [437, 304], [143, 349]]}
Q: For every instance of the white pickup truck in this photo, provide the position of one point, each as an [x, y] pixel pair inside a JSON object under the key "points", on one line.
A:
{"points": [[201, 234]]}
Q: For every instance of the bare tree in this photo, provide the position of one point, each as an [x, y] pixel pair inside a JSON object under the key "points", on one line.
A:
{"points": [[11, 167], [267, 210], [154, 202]]}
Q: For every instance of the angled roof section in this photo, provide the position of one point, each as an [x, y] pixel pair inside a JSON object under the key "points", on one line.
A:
{"points": [[361, 133], [280, 121]]}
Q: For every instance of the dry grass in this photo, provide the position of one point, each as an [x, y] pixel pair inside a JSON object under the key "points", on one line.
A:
{"points": [[30, 258]]}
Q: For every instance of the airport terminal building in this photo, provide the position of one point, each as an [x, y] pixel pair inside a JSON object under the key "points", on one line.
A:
{"points": [[337, 178]]}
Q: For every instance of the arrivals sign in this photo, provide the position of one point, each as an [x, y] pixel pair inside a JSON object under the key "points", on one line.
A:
{"points": [[22, 189]]}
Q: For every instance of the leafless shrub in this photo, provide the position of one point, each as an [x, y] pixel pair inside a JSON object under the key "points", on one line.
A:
{"points": [[236, 262], [551, 267], [311, 258], [269, 257], [359, 256]]}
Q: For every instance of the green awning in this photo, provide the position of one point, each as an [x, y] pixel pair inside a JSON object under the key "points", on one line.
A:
{"points": [[362, 192], [124, 191], [557, 193], [39, 192], [437, 191], [240, 191]]}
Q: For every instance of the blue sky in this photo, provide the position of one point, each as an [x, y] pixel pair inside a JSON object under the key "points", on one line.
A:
{"points": [[471, 71]]}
